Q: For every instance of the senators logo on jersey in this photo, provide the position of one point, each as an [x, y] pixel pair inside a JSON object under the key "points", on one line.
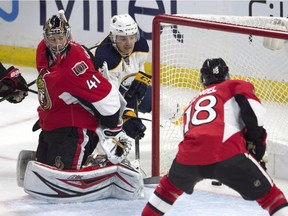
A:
{"points": [[80, 68], [43, 96]]}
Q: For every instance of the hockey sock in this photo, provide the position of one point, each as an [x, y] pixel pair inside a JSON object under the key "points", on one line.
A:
{"points": [[163, 198], [274, 201]]}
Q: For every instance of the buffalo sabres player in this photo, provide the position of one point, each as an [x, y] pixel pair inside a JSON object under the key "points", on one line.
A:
{"points": [[75, 100], [13, 86], [224, 139], [121, 57]]}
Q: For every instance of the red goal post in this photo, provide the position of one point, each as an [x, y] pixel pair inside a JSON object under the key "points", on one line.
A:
{"points": [[181, 43]]}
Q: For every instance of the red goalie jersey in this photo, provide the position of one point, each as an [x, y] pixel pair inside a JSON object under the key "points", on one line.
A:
{"points": [[211, 129], [71, 91]]}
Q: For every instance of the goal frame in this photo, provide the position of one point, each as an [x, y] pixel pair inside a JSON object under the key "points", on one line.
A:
{"points": [[197, 23]]}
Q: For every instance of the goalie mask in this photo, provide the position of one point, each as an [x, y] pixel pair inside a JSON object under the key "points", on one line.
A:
{"points": [[214, 71], [57, 34]]}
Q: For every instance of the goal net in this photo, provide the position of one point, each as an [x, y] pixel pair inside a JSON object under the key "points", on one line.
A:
{"points": [[254, 49]]}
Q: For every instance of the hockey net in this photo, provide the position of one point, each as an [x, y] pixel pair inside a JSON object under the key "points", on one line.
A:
{"points": [[254, 48]]}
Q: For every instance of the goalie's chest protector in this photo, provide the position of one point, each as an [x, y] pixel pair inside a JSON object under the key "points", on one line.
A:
{"points": [[213, 129]]}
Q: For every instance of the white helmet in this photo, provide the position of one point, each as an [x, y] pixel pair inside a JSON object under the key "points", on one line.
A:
{"points": [[122, 25]]}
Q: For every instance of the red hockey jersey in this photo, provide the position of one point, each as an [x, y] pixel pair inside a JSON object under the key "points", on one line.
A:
{"points": [[213, 128], [61, 84]]}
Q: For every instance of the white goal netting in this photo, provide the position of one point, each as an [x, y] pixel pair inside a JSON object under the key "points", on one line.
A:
{"points": [[256, 58]]}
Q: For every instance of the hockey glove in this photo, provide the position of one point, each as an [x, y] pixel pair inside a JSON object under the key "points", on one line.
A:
{"points": [[13, 84], [138, 87], [115, 143], [257, 147], [132, 125]]}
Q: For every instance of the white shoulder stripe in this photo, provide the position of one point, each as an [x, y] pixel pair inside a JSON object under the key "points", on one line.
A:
{"points": [[110, 104], [231, 116]]}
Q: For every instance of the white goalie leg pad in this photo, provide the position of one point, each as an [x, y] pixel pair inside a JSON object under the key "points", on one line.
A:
{"points": [[130, 179], [88, 184], [23, 158], [274, 43], [281, 212]]}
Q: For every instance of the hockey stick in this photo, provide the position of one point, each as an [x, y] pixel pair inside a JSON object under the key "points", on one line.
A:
{"points": [[137, 117], [33, 91], [137, 150], [97, 45], [150, 180]]}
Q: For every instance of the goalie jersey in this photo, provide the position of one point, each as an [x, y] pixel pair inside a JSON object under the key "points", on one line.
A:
{"points": [[122, 70], [72, 93], [211, 123]]}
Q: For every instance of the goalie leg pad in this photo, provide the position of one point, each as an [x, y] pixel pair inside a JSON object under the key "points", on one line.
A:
{"points": [[23, 158], [91, 183]]}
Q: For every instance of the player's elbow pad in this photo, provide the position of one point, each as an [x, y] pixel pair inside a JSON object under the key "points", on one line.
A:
{"points": [[247, 114]]}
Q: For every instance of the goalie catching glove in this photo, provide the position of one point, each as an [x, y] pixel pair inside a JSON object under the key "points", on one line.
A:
{"points": [[115, 143], [138, 87], [132, 125], [13, 84]]}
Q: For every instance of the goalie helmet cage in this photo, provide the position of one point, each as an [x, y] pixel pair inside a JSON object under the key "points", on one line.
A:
{"points": [[254, 49]]}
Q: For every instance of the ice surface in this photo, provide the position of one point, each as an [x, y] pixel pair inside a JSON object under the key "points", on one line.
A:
{"points": [[16, 134]]}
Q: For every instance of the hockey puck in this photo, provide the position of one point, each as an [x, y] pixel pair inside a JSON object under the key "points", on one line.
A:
{"points": [[216, 183]]}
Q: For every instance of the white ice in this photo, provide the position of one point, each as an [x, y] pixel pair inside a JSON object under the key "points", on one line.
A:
{"points": [[16, 134]]}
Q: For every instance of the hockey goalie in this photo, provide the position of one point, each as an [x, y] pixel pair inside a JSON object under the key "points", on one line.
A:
{"points": [[78, 110], [106, 174]]}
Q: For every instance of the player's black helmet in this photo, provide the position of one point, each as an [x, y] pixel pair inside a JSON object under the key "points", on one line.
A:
{"points": [[214, 71]]}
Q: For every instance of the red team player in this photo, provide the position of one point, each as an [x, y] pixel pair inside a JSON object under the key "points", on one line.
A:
{"points": [[223, 139], [74, 100]]}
